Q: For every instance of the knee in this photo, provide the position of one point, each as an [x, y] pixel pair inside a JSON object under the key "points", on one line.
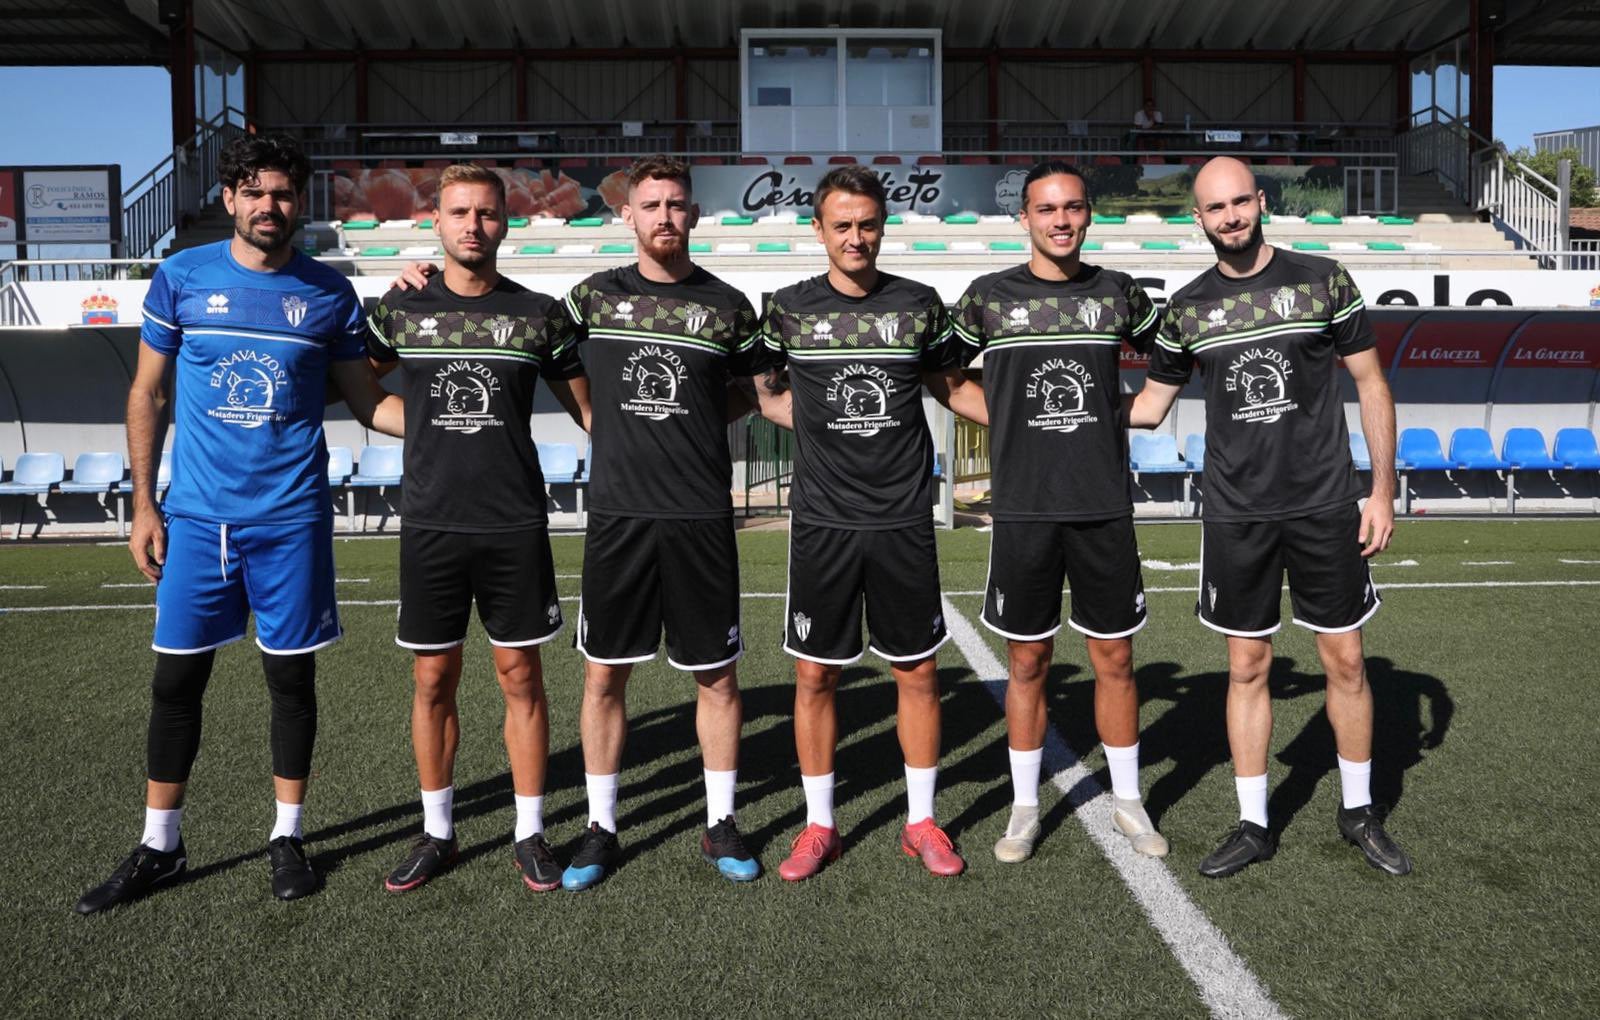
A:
{"points": [[179, 680], [1030, 662], [435, 679], [521, 683], [919, 682], [1347, 673], [717, 688], [291, 678], [604, 685], [815, 680], [1250, 669]]}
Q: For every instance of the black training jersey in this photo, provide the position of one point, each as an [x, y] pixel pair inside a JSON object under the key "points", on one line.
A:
{"points": [[863, 456], [1276, 442], [1051, 354], [659, 358], [468, 368]]}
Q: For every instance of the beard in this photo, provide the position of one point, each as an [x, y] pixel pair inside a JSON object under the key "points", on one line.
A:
{"points": [[1249, 244], [664, 248], [246, 229], [470, 259]]}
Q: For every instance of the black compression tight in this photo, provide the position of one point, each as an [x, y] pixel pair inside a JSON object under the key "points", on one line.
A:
{"points": [[176, 693]]}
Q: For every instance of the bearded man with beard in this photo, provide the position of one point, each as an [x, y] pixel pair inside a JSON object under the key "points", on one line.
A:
{"points": [[1266, 327], [251, 330]]}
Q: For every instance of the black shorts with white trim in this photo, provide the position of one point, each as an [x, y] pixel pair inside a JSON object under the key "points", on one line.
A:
{"points": [[510, 574], [1029, 560]]}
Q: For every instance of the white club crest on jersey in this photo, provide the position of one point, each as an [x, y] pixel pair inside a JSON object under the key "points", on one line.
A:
{"points": [[802, 626], [1283, 302], [294, 309], [1089, 313], [1217, 317], [823, 330], [625, 311], [888, 327], [1211, 592], [428, 327], [217, 304], [500, 329], [694, 318]]}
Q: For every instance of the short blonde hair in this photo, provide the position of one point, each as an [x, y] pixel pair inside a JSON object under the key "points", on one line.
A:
{"points": [[469, 173]]}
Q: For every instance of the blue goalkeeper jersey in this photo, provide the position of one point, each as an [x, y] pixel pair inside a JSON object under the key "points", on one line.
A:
{"points": [[252, 352]]}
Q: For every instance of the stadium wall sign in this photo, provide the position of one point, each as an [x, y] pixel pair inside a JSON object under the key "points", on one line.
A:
{"points": [[106, 302], [60, 204]]}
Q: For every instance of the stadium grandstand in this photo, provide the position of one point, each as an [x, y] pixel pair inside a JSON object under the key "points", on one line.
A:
{"points": [[1369, 126]]}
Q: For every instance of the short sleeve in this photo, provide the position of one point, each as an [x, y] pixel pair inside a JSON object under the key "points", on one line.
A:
{"points": [[745, 341], [1171, 361], [1351, 327], [159, 330], [967, 321], [767, 353], [1144, 322], [380, 330], [940, 347], [577, 304], [561, 359], [350, 342]]}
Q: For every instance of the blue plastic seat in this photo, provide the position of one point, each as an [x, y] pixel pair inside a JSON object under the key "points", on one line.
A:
{"points": [[559, 462], [1419, 450], [34, 475], [1524, 450], [341, 464], [1472, 449], [379, 466], [95, 472], [1155, 454], [1359, 452], [1194, 451], [1576, 450]]}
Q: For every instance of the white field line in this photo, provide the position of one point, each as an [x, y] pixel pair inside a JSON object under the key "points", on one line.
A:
{"points": [[1584, 562], [129, 584], [1488, 563], [1397, 563], [352, 580], [22, 587], [1224, 981], [1186, 590]]}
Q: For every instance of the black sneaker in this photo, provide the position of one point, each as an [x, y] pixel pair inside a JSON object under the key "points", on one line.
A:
{"points": [[1363, 827], [1244, 846], [537, 864], [139, 873], [723, 846], [596, 855], [292, 875], [427, 858]]}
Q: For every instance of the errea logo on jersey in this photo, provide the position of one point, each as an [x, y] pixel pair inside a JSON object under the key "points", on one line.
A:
{"points": [[625, 312], [294, 309], [823, 330], [1019, 317], [1217, 317], [217, 304], [428, 327]]}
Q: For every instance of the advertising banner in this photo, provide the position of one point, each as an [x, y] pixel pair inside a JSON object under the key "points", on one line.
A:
{"points": [[70, 205]]}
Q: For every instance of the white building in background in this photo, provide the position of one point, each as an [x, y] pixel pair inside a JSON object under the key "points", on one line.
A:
{"points": [[1586, 140]]}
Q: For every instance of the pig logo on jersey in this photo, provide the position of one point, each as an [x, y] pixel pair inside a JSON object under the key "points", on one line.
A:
{"points": [[1283, 302], [294, 309], [465, 387], [1259, 379], [1061, 386], [247, 383], [694, 318], [651, 380], [1089, 313], [861, 393]]}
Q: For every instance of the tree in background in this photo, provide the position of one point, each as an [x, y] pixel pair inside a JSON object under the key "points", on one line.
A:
{"points": [[1544, 164]]}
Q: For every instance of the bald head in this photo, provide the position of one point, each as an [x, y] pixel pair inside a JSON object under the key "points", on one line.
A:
{"points": [[1228, 205], [1222, 178]]}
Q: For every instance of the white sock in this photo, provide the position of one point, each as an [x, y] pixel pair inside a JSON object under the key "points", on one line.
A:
{"points": [[819, 799], [437, 808], [1124, 765], [602, 800], [288, 823], [161, 829], [1025, 776], [719, 795], [530, 816], [1355, 782], [1252, 798], [919, 793]]}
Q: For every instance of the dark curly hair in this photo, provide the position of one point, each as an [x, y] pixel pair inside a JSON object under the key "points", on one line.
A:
{"points": [[245, 157]]}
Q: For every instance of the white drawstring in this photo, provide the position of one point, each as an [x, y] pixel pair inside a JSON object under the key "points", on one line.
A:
{"points": [[222, 547]]}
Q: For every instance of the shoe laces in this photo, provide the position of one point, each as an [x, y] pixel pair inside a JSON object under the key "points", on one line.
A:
{"points": [[935, 835], [725, 834], [813, 840]]}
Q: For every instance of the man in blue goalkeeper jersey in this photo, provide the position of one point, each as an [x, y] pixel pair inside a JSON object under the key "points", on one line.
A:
{"points": [[252, 330]]}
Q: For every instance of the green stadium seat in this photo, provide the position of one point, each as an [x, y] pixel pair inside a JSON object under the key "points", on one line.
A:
{"points": [[361, 225], [1385, 246], [960, 219], [1311, 246], [1185, 220], [928, 246], [616, 248], [1324, 220], [803, 221], [773, 246], [1160, 246], [515, 221], [699, 247], [736, 221], [1397, 221], [537, 249], [894, 220], [1093, 246], [424, 224], [1116, 220], [379, 250], [1006, 246], [586, 221]]}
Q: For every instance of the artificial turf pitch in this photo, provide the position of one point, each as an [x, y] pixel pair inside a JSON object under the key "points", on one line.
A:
{"points": [[1485, 746]]}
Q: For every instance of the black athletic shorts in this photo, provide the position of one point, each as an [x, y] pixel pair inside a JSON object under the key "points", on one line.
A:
{"points": [[832, 569], [509, 573], [1242, 564], [643, 573], [1028, 560]]}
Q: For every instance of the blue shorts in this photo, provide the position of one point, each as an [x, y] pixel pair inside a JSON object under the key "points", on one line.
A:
{"points": [[217, 574]]}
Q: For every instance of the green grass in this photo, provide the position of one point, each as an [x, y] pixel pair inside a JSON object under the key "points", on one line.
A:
{"points": [[1485, 745]]}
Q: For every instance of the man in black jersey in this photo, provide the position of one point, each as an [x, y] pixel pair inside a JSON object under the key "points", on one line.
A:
{"points": [[858, 346], [661, 339], [471, 345], [1050, 333], [1265, 327]]}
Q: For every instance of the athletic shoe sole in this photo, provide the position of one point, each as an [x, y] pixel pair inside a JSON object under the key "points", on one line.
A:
{"points": [[728, 872]]}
